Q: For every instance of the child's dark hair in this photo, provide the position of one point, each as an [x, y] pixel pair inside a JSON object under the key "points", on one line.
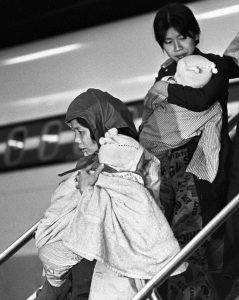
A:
{"points": [[177, 16]]}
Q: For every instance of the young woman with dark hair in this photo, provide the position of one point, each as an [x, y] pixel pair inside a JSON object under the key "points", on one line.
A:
{"points": [[190, 199]]}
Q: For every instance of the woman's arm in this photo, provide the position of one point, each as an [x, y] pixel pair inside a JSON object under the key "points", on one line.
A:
{"points": [[199, 99], [195, 99], [203, 98]]}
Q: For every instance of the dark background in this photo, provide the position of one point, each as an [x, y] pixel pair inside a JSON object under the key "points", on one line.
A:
{"points": [[22, 21]]}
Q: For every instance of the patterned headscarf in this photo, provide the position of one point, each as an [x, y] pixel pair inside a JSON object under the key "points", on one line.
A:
{"points": [[101, 111]]}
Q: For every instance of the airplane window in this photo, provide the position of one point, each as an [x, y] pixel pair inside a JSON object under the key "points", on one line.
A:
{"points": [[49, 143], [15, 146]]}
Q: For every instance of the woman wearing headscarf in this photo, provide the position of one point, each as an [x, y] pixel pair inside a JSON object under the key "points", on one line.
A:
{"points": [[90, 115]]}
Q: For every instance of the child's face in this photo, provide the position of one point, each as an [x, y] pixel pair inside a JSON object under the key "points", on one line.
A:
{"points": [[178, 46], [83, 138]]}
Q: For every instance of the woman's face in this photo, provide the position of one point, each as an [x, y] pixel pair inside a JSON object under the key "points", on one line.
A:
{"points": [[83, 138], [177, 46]]}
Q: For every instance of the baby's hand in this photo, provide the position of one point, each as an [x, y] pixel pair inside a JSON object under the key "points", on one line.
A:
{"points": [[86, 177]]}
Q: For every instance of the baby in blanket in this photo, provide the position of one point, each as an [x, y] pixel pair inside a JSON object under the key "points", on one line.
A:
{"points": [[116, 221], [168, 126]]}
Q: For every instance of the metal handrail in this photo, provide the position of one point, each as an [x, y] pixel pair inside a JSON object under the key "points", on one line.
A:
{"points": [[187, 250], [232, 124], [233, 121], [18, 244]]}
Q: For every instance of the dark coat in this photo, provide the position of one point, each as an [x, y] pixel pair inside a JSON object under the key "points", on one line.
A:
{"points": [[231, 252]]}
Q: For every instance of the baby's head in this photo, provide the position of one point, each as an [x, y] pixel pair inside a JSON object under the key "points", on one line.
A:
{"points": [[194, 71], [120, 152]]}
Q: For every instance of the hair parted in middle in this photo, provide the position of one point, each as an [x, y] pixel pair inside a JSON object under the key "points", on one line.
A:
{"points": [[178, 16]]}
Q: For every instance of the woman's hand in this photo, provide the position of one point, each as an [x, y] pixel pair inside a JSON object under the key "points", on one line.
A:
{"points": [[86, 177], [157, 93]]}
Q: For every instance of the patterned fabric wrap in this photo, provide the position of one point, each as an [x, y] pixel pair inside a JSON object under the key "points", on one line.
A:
{"points": [[66, 197], [57, 217], [179, 197], [118, 223], [168, 126]]}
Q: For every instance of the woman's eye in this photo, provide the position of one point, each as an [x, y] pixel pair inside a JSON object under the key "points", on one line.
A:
{"points": [[167, 42], [182, 37], [77, 132]]}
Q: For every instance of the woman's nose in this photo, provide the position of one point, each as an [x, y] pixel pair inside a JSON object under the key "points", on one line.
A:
{"points": [[77, 138], [177, 46]]}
